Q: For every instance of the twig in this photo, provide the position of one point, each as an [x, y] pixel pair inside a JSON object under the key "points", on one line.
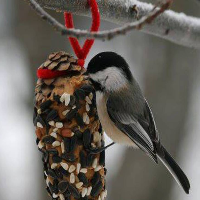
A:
{"points": [[175, 27], [102, 34]]}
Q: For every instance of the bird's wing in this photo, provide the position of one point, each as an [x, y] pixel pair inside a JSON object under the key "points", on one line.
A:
{"points": [[150, 122], [123, 118]]}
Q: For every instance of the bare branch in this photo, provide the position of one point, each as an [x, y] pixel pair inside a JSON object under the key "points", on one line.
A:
{"points": [[176, 27], [102, 34]]}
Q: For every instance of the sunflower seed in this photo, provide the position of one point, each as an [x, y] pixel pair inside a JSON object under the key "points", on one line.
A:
{"points": [[75, 193], [87, 99], [37, 141], [59, 124], [80, 142], [34, 114], [55, 196], [64, 165], [78, 134], [53, 114], [47, 181], [39, 111], [48, 139], [80, 94], [86, 138], [52, 151], [79, 119], [78, 167], [54, 165], [87, 120], [71, 114], [97, 189], [72, 100], [51, 173], [62, 98], [93, 145], [106, 193], [89, 190], [102, 158], [45, 157], [67, 194], [72, 178], [85, 116], [87, 88], [56, 144], [40, 145], [56, 98], [99, 167], [55, 129], [53, 188], [94, 164], [84, 192], [59, 173], [56, 159], [79, 185], [45, 105], [52, 123], [54, 135], [83, 178], [83, 159], [87, 107], [67, 99], [70, 158], [39, 125], [91, 96], [72, 168], [73, 143], [62, 186], [65, 112], [61, 197], [96, 137], [95, 179], [83, 170], [67, 142], [103, 195], [90, 159], [63, 171], [62, 147]]}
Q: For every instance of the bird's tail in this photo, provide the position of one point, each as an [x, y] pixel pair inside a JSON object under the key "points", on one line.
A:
{"points": [[173, 168]]}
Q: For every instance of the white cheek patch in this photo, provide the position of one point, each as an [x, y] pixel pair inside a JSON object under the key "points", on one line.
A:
{"points": [[111, 79]]}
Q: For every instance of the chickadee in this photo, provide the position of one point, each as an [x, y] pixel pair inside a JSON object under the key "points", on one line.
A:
{"points": [[124, 112]]}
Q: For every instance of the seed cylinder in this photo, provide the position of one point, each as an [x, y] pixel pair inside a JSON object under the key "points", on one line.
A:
{"points": [[68, 130]]}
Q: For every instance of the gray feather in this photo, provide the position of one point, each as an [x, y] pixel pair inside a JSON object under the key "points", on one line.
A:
{"points": [[126, 115]]}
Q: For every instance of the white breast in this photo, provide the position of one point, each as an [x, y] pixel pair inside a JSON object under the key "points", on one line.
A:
{"points": [[109, 127]]}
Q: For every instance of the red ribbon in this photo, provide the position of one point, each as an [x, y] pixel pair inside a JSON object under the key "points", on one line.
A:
{"points": [[81, 53]]}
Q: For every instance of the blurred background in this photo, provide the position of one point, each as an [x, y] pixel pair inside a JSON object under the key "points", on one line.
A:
{"points": [[169, 75]]}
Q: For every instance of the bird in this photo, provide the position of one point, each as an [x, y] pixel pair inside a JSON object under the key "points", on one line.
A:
{"points": [[125, 114]]}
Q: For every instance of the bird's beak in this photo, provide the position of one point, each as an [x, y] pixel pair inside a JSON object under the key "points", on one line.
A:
{"points": [[86, 76]]}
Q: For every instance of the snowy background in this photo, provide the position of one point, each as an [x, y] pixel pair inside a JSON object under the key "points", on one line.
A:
{"points": [[168, 74]]}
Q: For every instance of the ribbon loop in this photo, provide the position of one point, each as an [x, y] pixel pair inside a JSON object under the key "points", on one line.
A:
{"points": [[82, 53]]}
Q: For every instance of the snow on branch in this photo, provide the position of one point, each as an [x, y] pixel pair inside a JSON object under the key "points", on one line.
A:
{"points": [[175, 27]]}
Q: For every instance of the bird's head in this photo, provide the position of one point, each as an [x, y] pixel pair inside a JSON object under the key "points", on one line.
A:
{"points": [[109, 72]]}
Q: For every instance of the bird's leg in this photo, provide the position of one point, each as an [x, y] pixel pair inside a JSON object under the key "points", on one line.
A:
{"points": [[99, 150]]}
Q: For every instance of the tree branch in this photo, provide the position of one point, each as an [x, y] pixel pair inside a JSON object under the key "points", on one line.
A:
{"points": [[175, 27], [102, 34]]}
